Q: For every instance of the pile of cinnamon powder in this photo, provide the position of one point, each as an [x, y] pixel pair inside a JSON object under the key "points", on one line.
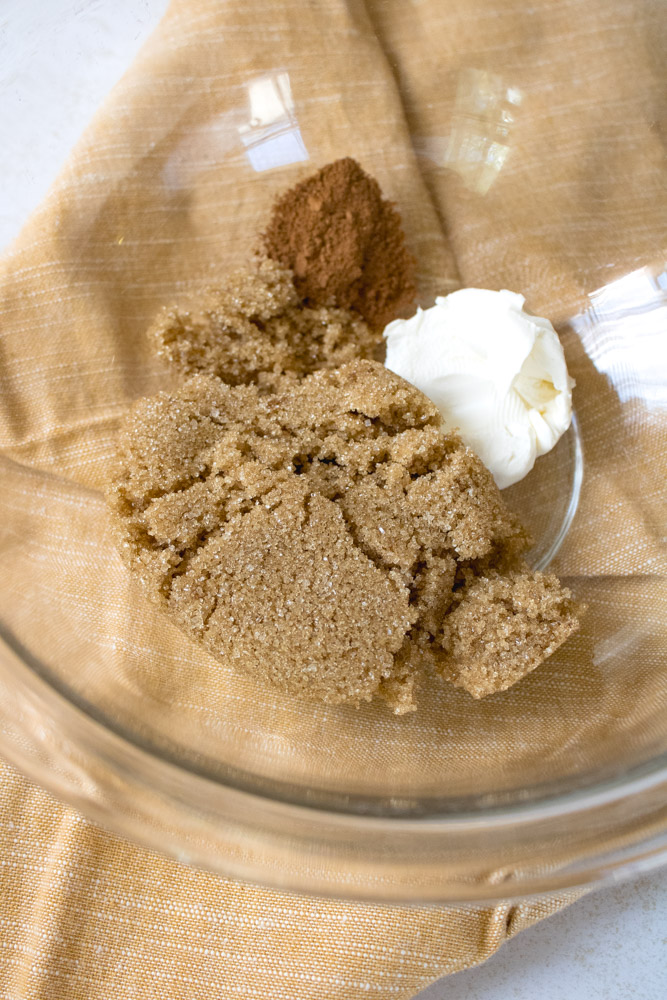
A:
{"points": [[344, 243]]}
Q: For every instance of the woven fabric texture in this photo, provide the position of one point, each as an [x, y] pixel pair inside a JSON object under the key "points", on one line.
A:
{"points": [[158, 199]]}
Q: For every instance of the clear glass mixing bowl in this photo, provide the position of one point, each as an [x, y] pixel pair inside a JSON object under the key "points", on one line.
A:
{"points": [[540, 148]]}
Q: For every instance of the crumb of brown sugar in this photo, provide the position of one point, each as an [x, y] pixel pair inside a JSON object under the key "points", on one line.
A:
{"points": [[502, 626], [254, 328]]}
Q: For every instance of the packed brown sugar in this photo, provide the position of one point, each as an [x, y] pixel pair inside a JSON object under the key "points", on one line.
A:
{"points": [[297, 510], [254, 328]]}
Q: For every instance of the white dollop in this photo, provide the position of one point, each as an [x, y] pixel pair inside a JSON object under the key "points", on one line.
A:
{"points": [[496, 374]]}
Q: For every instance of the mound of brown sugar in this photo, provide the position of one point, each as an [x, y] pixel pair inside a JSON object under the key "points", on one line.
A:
{"points": [[253, 328], [330, 539], [344, 243]]}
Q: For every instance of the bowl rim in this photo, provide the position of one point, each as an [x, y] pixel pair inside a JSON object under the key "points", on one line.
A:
{"points": [[618, 826]]}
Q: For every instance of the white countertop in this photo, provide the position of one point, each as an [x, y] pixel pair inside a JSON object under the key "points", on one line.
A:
{"points": [[611, 945]]}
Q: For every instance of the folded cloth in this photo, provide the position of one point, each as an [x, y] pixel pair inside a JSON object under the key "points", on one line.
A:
{"points": [[86, 914], [158, 199]]}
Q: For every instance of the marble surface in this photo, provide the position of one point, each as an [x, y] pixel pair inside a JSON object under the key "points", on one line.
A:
{"points": [[612, 945]]}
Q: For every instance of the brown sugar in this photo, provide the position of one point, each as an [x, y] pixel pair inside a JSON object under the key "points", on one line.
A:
{"points": [[253, 328], [502, 627], [331, 539], [344, 243]]}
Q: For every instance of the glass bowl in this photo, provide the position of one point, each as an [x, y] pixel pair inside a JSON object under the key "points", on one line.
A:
{"points": [[527, 154]]}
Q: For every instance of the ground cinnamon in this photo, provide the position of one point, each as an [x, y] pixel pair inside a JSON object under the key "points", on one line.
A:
{"points": [[344, 243]]}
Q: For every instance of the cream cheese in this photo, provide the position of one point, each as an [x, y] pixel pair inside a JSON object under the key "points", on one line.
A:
{"points": [[496, 374]]}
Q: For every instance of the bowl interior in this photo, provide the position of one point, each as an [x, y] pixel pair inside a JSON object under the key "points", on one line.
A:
{"points": [[469, 170]]}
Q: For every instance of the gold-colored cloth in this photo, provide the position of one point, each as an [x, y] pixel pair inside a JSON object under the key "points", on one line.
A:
{"points": [[158, 199]]}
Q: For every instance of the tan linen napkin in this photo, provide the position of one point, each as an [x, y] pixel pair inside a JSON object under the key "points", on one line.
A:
{"points": [[158, 200], [86, 914]]}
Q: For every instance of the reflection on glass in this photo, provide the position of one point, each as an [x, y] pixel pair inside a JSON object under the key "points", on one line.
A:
{"points": [[479, 142], [268, 131], [621, 643], [624, 333], [203, 148], [272, 137]]}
